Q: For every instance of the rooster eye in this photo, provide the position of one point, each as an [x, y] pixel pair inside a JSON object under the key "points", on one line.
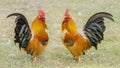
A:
{"points": [[66, 19]]}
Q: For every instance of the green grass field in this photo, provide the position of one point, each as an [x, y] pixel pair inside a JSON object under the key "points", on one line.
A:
{"points": [[56, 55]]}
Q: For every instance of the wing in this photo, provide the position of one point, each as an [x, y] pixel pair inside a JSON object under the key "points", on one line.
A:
{"points": [[95, 27], [22, 30]]}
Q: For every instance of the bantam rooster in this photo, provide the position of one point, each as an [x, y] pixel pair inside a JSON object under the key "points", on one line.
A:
{"points": [[78, 43], [33, 40]]}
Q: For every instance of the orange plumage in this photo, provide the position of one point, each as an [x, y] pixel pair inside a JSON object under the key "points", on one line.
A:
{"points": [[33, 40], [76, 42]]}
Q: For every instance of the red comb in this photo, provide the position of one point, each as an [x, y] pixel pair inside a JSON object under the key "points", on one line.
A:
{"points": [[66, 12], [41, 12]]}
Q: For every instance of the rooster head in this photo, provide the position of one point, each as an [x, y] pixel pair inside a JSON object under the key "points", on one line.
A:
{"points": [[41, 15], [67, 16]]}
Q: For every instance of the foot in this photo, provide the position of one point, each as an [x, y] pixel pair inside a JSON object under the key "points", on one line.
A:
{"points": [[77, 59], [35, 60]]}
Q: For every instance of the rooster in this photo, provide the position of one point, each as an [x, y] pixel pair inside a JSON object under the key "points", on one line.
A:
{"points": [[77, 43], [33, 40]]}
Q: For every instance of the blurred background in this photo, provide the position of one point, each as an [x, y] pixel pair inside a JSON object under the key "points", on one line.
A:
{"points": [[56, 55]]}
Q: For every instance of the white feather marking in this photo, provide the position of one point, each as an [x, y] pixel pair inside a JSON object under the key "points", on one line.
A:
{"points": [[46, 30], [63, 33], [32, 36], [82, 34]]}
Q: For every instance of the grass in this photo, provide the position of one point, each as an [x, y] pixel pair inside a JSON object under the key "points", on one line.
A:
{"points": [[56, 55]]}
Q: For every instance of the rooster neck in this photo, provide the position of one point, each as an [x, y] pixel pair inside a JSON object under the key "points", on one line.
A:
{"points": [[70, 26], [38, 26], [38, 23]]}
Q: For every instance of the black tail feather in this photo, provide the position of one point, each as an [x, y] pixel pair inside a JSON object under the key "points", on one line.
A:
{"points": [[22, 30], [99, 17], [95, 27]]}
